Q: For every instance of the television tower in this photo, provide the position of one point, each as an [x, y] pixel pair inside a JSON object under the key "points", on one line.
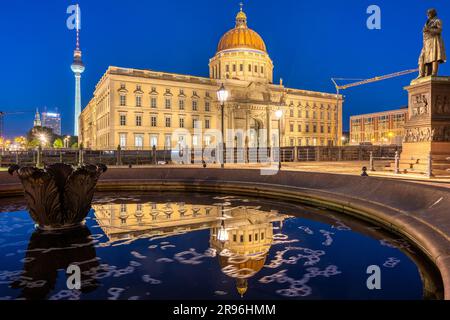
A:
{"points": [[77, 68]]}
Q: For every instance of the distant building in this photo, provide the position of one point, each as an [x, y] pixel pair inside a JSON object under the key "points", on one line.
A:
{"points": [[52, 120], [381, 128], [37, 119]]}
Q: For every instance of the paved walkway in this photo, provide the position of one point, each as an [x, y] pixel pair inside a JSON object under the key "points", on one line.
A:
{"points": [[341, 167]]}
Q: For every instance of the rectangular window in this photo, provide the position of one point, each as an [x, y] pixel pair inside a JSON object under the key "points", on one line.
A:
{"points": [[207, 106], [168, 122], [207, 124], [321, 129], [168, 141], [195, 140], [227, 68], [207, 140], [138, 121], [314, 114], [168, 103], [194, 105], [291, 127], [123, 100], [291, 113], [139, 141], [262, 69], [153, 102], [153, 121], [181, 122], [123, 120], [234, 237], [314, 128], [196, 123], [329, 129], [307, 128], [249, 68], [299, 128], [181, 104], [154, 140], [256, 69], [241, 67], [123, 140], [291, 142], [307, 114], [138, 101], [242, 238], [234, 68]]}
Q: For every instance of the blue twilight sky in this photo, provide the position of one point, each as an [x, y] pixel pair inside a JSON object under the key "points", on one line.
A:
{"points": [[309, 42]]}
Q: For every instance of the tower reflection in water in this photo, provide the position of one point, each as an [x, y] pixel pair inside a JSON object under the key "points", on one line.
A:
{"points": [[240, 237]]}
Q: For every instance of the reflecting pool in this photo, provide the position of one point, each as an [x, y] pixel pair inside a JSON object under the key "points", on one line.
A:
{"points": [[207, 246]]}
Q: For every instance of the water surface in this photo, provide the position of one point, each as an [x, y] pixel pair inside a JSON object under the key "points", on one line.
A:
{"points": [[205, 246]]}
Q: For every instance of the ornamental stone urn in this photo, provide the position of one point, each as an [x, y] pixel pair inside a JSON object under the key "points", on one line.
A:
{"points": [[59, 196]]}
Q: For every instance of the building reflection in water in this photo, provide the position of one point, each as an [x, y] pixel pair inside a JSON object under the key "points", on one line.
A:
{"points": [[241, 236]]}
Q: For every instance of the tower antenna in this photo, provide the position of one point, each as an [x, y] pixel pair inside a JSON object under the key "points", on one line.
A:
{"points": [[77, 26]]}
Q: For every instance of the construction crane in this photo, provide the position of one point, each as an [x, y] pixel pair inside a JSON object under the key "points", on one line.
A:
{"points": [[371, 80], [360, 82], [2, 115]]}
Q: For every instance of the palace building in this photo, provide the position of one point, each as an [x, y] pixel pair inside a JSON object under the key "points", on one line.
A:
{"points": [[381, 128], [139, 109]]}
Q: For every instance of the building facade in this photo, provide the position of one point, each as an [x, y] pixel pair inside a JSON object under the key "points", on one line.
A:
{"points": [[139, 109], [381, 128], [52, 120]]}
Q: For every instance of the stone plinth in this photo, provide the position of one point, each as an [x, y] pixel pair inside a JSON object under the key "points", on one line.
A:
{"points": [[427, 128]]}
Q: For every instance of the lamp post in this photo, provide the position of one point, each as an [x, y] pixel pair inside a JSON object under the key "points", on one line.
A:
{"points": [[279, 115], [222, 234], [222, 96], [66, 142], [42, 141]]}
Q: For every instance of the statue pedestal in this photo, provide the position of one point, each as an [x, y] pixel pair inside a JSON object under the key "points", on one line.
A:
{"points": [[427, 128]]}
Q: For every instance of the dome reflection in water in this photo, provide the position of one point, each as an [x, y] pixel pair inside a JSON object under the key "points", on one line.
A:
{"points": [[203, 246]]}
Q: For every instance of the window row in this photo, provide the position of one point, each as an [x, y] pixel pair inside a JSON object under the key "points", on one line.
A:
{"points": [[310, 128], [181, 141], [196, 123], [167, 103], [307, 114]]}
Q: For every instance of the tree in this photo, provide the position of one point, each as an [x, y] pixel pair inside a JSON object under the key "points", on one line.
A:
{"points": [[58, 144]]}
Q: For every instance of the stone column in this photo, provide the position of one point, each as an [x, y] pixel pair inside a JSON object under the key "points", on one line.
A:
{"points": [[427, 127]]}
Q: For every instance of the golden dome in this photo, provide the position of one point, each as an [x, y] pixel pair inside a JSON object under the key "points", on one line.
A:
{"points": [[241, 36]]}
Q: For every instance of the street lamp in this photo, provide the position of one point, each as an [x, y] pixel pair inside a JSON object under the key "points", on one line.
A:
{"points": [[43, 139], [66, 142], [222, 96], [222, 234], [279, 115]]}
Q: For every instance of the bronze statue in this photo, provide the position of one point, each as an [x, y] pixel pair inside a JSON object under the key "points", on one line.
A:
{"points": [[433, 52]]}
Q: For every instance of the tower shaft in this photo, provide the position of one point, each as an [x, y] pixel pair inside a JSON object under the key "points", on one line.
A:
{"points": [[77, 102]]}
